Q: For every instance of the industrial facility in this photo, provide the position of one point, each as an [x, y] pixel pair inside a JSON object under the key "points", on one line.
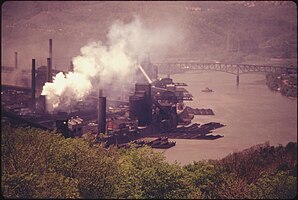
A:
{"points": [[155, 107]]}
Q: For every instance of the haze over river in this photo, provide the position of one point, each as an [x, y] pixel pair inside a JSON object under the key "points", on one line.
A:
{"points": [[252, 113]]}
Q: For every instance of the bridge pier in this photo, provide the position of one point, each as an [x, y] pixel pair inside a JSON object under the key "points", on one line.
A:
{"points": [[237, 80]]}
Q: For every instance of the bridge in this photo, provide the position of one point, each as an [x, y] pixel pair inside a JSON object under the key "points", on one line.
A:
{"points": [[236, 69]]}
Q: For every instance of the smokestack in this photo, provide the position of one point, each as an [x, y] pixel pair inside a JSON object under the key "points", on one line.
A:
{"points": [[16, 60], [71, 66], [49, 72], [33, 83], [100, 93], [149, 104], [101, 112], [43, 105], [50, 50]]}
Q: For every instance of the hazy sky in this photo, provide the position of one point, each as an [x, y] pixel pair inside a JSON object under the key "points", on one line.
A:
{"points": [[204, 30]]}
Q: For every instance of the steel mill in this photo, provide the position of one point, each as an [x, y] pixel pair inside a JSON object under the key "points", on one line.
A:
{"points": [[155, 108]]}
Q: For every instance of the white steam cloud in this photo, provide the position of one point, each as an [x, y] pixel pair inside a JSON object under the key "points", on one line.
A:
{"points": [[100, 64]]}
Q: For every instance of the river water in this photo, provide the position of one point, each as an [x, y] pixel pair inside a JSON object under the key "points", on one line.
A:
{"points": [[252, 113]]}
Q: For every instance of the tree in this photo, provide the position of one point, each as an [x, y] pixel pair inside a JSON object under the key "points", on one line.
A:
{"points": [[146, 174], [33, 159], [47, 185], [98, 173], [232, 187], [250, 163], [40, 164], [206, 176], [274, 186], [18, 185]]}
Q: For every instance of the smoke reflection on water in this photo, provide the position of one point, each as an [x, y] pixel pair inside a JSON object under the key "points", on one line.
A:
{"points": [[253, 115]]}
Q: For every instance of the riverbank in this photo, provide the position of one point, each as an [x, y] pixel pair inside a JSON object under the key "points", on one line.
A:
{"points": [[286, 84]]}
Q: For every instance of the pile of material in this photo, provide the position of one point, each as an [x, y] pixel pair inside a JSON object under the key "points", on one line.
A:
{"points": [[194, 131], [198, 111], [159, 143]]}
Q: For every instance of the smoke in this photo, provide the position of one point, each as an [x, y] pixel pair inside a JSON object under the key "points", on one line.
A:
{"points": [[101, 65]]}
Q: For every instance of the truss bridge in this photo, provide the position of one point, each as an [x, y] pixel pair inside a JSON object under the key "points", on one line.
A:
{"points": [[236, 69]]}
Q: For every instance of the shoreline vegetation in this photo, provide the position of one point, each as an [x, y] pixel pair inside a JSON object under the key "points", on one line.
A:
{"points": [[42, 164]]}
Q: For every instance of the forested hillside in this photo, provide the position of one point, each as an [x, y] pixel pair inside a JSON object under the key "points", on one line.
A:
{"points": [[238, 32], [39, 164]]}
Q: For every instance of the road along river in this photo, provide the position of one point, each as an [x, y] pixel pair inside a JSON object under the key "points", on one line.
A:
{"points": [[252, 113]]}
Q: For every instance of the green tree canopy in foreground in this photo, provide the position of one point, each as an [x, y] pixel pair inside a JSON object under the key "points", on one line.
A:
{"points": [[39, 164]]}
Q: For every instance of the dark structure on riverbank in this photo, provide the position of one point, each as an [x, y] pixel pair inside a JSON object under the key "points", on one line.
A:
{"points": [[286, 84]]}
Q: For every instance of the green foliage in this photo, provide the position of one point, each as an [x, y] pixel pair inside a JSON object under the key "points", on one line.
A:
{"points": [[98, 173], [274, 186], [19, 185], [250, 163], [232, 187], [26, 152], [47, 185], [56, 162], [206, 176], [215, 183], [234, 176], [145, 174], [39, 164], [66, 156]]}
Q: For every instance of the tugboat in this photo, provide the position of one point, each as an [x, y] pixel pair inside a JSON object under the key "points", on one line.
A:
{"points": [[207, 90]]}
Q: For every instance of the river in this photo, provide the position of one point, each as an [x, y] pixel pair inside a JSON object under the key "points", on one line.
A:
{"points": [[252, 113]]}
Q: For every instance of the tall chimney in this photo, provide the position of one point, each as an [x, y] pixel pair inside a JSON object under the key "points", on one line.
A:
{"points": [[16, 60], [49, 72], [71, 66], [44, 104], [33, 86], [51, 50], [101, 112], [149, 105], [43, 97]]}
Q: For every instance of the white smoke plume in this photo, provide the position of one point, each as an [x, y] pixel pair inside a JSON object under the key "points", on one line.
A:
{"points": [[99, 65]]}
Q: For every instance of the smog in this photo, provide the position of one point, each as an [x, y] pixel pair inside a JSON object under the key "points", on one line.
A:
{"points": [[100, 64]]}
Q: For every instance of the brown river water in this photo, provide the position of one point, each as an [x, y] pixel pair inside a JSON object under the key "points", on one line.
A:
{"points": [[252, 113]]}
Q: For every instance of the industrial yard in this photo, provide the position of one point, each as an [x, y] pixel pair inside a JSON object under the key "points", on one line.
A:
{"points": [[155, 108]]}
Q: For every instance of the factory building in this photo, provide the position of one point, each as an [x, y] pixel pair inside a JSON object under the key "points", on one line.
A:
{"points": [[140, 104], [154, 106], [75, 126]]}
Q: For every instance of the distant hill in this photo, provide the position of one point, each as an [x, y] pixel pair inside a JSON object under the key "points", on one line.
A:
{"points": [[237, 31]]}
